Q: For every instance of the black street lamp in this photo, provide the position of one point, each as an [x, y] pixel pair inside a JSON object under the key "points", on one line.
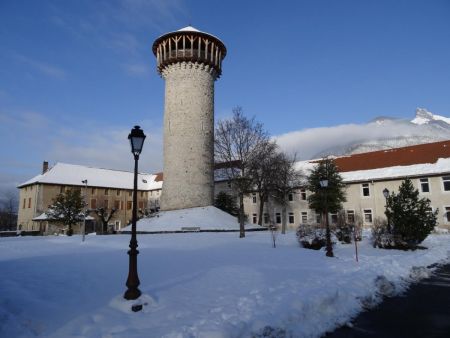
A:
{"points": [[386, 195], [136, 138], [324, 186]]}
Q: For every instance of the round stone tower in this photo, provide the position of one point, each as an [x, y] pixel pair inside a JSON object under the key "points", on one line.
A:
{"points": [[189, 61]]}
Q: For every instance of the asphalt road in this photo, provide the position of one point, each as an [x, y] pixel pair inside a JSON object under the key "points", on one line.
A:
{"points": [[424, 311]]}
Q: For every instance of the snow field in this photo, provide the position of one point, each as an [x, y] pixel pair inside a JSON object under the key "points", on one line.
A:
{"points": [[196, 285]]}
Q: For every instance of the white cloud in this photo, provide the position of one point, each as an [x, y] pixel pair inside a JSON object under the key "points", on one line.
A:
{"points": [[136, 69], [308, 142], [43, 67], [106, 147]]}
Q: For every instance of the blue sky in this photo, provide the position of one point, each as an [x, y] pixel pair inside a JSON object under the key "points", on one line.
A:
{"points": [[75, 76]]}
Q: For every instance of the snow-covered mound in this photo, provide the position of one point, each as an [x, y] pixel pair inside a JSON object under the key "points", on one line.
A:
{"points": [[193, 219]]}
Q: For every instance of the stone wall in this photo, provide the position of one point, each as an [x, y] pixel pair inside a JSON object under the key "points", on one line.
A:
{"points": [[188, 136]]}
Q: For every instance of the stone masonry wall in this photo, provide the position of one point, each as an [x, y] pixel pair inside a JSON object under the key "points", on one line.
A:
{"points": [[188, 136]]}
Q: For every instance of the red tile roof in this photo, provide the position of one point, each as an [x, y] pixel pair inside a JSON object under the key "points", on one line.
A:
{"points": [[418, 154]]}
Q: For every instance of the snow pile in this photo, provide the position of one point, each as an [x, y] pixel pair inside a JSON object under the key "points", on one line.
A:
{"points": [[196, 285], [207, 218]]}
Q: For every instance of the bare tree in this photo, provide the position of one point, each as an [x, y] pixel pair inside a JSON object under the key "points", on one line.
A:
{"points": [[8, 211], [287, 180], [237, 140], [263, 171], [105, 214]]}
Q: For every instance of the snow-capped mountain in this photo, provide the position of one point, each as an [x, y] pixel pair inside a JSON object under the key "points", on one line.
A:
{"points": [[383, 132], [426, 127]]}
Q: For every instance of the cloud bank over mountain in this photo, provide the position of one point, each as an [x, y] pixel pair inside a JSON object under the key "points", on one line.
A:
{"points": [[381, 133]]}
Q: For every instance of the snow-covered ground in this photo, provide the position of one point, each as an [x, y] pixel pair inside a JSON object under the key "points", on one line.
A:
{"points": [[195, 285], [207, 218]]}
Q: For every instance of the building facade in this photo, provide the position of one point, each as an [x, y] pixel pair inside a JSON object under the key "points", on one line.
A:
{"points": [[366, 175]]}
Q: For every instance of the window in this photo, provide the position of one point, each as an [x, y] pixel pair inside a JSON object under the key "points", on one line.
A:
{"points": [[93, 191], [318, 218], [255, 218], [291, 218], [351, 216], [129, 205], [367, 215], [424, 185], [304, 215], [278, 218], [24, 203], [117, 205], [29, 202], [333, 218], [446, 182], [229, 184], [61, 189], [129, 193], [117, 192], [121, 205], [106, 204], [290, 197], [303, 194], [365, 189], [254, 198], [142, 194], [117, 225], [25, 188], [141, 205], [106, 192], [93, 203], [447, 214], [266, 218]]}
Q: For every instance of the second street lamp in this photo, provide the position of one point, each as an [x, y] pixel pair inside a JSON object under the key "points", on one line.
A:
{"points": [[136, 138], [324, 186]]}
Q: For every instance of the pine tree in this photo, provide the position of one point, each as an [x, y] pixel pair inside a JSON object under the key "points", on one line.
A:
{"points": [[67, 208], [412, 218], [326, 199], [227, 203], [333, 196]]}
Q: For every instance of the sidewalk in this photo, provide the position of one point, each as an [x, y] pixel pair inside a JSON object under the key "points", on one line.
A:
{"points": [[424, 311]]}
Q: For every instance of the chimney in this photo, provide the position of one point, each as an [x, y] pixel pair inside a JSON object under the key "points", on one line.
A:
{"points": [[44, 167]]}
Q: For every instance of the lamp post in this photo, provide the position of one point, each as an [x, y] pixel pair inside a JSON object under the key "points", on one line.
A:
{"points": [[386, 195], [85, 182], [136, 138], [324, 186]]}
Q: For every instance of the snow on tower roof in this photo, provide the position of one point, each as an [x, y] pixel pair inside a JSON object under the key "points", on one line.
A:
{"points": [[72, 174], [189, 29]]}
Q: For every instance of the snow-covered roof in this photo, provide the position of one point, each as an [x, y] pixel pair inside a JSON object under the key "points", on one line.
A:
{"points": [[189, 29], [72, 174], [442, 166]]}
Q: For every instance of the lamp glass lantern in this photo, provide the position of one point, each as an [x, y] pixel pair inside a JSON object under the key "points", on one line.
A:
{"points": [[385, 192], [323, 182], [136, 138]]}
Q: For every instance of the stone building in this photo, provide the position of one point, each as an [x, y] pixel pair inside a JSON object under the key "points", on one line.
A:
{"points": [[366, 176], [104, 188], [190, 61]]}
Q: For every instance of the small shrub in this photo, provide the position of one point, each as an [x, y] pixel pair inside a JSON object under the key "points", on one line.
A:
{"points": [[381, 237], [312, 236]]}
